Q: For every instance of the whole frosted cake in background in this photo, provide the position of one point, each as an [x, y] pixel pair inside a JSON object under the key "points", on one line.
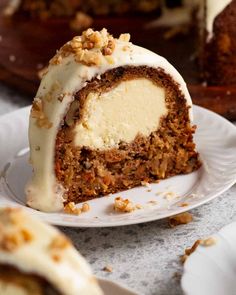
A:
{"points": [[36, 259], [218, 49], [211, 24], [108, 115]]}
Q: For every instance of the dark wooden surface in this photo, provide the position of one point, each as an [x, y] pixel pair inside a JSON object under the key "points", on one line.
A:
{"points": [[26, 45]]}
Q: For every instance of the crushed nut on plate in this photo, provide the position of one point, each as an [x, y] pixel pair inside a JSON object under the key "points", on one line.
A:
{"points": [[71, 208], [123, 205]]}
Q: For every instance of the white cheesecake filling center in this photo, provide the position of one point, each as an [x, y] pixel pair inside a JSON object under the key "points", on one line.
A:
{"points": [[133, 107]]}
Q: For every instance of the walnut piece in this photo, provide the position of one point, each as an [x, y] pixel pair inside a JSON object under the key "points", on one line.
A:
{"points": [[13, 233], [108, 268], [60, 242], [71, 208], [90, 48], [37, 113], [182, 218], [123, 205]]}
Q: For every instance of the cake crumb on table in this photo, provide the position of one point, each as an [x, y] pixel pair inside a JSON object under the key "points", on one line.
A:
{"points": [[108, 268], [203, 242], [208, 242], [182, 218]]}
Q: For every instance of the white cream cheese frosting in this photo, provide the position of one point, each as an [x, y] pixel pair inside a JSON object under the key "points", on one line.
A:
{"points": [[34, 247], [66, 76], [213, 9], [7, 288]]}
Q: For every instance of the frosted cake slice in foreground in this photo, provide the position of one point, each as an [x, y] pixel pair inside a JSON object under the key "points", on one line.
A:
{"points": [[37, 259]]}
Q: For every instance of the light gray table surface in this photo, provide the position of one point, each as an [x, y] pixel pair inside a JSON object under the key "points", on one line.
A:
{"points": [[144, 257]]}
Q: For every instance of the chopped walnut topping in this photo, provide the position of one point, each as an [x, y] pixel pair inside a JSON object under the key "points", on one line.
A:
{"points": [[38, 113], [60, 242], [57, 245], [61, 97], [56, 257], [89, 48], [26, 235], [182, 218], [123, 205], [13, 240], [124, 37], [108, 268], [13, 234], [42, 72]]}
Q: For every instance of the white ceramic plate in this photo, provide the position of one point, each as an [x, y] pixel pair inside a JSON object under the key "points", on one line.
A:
{"points": [[109, 287], [212, 270], [216, 142]]}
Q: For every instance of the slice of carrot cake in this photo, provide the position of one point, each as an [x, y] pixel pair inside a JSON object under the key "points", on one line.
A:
{"points": [[36, 259], [107, 116]]}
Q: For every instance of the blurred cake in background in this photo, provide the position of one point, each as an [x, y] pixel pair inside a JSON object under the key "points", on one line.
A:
{"points": [[36, 259], [58, 8], [214, 21], [218, 46]]}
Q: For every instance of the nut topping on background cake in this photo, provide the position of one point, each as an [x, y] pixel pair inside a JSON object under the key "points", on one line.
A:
{"points": [[89, 48]]}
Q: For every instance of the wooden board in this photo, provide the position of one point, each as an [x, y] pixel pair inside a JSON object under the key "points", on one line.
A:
{"points": [[27, 45]]}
